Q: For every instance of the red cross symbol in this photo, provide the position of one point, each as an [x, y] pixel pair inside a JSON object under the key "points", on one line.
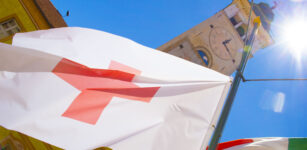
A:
{"points": [[98, 87]]}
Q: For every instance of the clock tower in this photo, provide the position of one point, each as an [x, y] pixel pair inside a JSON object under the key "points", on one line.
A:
{"points": [[217, 42]]}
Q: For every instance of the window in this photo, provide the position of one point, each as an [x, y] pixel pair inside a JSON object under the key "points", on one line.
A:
{"points": [[204, 57], [8, 28], [235, 19], [241, 31], [239, 25]]}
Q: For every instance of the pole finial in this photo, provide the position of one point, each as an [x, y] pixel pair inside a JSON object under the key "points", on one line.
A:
{"points": [[257, 20]]}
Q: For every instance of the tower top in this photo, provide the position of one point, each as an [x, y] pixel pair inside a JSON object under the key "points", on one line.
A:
{"points": [[266, 14], [260, 9], [217, 42]]}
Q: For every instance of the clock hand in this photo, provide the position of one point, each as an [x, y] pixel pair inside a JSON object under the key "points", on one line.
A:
{"points": [[226, 41], [225, 45]]}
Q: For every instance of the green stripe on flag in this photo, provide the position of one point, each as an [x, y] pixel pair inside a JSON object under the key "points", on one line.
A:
{"points": [[297, 144]]}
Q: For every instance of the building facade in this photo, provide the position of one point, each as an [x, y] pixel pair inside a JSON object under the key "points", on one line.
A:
{"points": [[217, 42], [27, 15]]}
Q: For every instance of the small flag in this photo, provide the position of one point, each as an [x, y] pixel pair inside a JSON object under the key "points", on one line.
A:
{"points": [[274, 143], [78, 88]]}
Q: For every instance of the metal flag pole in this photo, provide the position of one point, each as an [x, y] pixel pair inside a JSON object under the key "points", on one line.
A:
{"points": [[234, 88]]}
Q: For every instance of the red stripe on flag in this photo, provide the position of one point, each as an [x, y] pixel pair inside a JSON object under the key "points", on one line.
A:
{"points": [[230, 144], [98, 87], [70, 67]]}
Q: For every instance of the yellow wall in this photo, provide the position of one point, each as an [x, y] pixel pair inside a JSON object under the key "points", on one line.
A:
{"points": [[25, 13], [35, 14], [12, 140]]}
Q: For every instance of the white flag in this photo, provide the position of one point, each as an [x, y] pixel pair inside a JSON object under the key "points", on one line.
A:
{"points": [[79, 88]]}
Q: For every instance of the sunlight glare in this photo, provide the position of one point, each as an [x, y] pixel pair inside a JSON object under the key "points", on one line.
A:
{"points": [[294, 35]]}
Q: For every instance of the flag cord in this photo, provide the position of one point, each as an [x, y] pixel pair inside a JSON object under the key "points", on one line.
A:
{"points": [[272, 79], [246, 39], [285, 79]]}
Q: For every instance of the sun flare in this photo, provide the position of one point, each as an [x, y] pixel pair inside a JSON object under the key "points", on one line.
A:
{"points": [[294, 36]]}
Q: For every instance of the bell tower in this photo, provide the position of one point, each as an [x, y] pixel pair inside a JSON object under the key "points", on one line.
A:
{"points": [[217, 42]]}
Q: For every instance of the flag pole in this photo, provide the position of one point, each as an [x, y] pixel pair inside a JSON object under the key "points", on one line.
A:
{"points": [[234, 88]]}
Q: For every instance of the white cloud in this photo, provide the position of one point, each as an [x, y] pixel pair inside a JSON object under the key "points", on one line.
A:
{"points": [[273, 101], [278, 102]]}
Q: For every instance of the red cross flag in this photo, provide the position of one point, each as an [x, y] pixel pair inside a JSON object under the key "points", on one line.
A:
{"points": [[80, 88]]}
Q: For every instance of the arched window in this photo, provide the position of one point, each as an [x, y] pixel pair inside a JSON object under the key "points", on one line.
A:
{"points": [[204, 57], [241, 31]]}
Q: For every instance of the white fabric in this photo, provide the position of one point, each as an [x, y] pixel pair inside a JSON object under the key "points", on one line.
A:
{"points": [[178, 117]]}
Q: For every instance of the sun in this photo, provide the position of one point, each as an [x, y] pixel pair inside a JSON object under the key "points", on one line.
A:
{"points": [[294, 36]]}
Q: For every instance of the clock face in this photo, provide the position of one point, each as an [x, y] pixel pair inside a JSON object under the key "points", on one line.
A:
{"points": [[222, 43]]}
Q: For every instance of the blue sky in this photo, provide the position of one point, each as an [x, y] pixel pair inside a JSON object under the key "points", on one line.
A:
{"points": [[261, 109]]}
